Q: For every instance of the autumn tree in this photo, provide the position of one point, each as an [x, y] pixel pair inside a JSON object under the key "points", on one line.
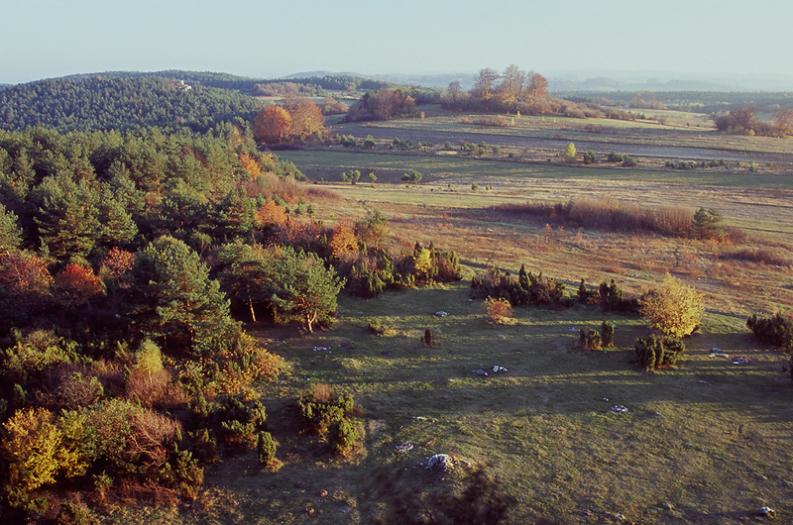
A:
{"points": [[511, 85], [273, 125], [674, 308], [76, 285], [538, 86], [485, 84], [271, 214], [307, 119], [783, 122], [343, 242]]}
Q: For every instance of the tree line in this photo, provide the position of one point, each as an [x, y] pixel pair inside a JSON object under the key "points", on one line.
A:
{"points": [[97, 102]]}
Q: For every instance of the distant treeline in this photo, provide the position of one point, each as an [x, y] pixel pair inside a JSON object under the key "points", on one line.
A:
{"points": [[89, 103], [518, 91]]}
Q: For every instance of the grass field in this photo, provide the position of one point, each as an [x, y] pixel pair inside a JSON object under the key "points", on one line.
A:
{"points": [[704, 443], [684, 132], [701, 444]]}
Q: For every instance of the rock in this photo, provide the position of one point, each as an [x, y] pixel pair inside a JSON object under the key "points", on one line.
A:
{"points": [[605, 399], [717, 352], [499, 369], [405, 446], [766, 511], [441, 313], [323, 493], [481, 372], [322, 349], [618, 409], [668, 505], [440, 462], [740, 360]]}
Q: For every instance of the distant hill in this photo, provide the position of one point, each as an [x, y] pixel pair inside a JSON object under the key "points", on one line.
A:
{"points": [[119, 101]]}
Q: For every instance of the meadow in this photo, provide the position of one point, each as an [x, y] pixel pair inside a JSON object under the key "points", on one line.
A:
{"points": [[701, 443]]}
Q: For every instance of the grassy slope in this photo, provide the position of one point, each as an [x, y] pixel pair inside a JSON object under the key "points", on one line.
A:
{"points": [[706, 437]]}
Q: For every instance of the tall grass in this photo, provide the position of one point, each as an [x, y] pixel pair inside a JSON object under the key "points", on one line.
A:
{"points": [[609, 215]]}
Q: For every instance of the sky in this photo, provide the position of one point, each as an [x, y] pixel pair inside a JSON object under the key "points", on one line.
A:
{"points": [[265, 39]]}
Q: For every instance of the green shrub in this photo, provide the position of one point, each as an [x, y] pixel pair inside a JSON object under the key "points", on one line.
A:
{"points": [[655, 352], [589, 339], [607, 329], [266, 446], [612, 299], [321, 408], [182, 472], [346, 437], [774, 330], [238, 422]]}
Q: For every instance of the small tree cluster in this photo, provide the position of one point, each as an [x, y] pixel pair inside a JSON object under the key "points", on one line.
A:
{"points": [[527, 289], [591, 339], [329, 416], [656, 352], [774, 330]]}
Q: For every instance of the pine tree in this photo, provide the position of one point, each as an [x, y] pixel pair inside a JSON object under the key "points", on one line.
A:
{"points": [[172, 298]]}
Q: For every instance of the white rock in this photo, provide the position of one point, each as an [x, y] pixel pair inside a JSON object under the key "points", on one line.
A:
{"points": [[440, 462]]}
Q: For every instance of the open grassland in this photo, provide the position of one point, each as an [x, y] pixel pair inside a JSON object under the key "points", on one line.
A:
{"points": [[704, 443], [447, 210], [644, 138]]}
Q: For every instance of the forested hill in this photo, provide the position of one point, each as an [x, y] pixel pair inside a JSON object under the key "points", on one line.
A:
{"points": [[97, 102]]}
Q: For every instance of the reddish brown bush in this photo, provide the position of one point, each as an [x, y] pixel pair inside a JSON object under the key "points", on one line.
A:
{"points": [[77, 285], [610, 215]]}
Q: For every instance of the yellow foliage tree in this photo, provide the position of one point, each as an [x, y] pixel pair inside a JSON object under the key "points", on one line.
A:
{"points": [[674, 308], [30, 443]]}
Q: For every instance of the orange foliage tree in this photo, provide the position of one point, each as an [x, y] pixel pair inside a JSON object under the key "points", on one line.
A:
{"points": [[343, 241], [271, 214], [307, 119], [116, 263], [24, 274], [272, 125], [250, 165], [77, 284]]}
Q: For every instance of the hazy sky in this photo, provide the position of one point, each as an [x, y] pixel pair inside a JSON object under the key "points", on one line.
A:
{"points": [[46, 38]]}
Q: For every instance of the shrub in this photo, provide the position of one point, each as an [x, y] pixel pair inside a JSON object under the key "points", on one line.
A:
{"points": [[31, 443], [148, 380], [674, 308], [760, 255], [34, 354], [610, 215], [590, 339], [569, 152], [654, 352], [382, 329], [266, 447], [607, 329], [498, 310], [237, 421], [412, 176], [430, 339], [183, 472], [321, 408], [612, 299], [774, 330], [346, 437]]}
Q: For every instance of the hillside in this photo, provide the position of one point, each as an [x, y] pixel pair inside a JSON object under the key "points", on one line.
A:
{"points": [[106, 102]]}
